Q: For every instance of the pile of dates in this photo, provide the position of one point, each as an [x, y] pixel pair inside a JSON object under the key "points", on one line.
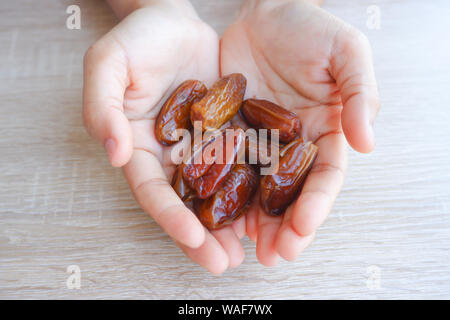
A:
{"points": [[216, 178]]}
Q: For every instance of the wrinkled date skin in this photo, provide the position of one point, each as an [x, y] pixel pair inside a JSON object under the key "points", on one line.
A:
{"points": [[280, 189], [206, 173], [221, 102], [263, 114], [175, 113], [231, 200]]}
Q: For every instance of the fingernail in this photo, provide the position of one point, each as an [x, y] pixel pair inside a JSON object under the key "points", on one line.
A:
{"points": [[369, 124], [371, 136], [110, 146]]}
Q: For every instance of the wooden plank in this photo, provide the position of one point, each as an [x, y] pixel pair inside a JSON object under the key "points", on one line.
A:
{"points": [[61, 204]]}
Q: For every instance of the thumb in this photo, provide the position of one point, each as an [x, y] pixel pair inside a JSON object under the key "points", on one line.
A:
{"points": [[105, 81], [352, 68]]}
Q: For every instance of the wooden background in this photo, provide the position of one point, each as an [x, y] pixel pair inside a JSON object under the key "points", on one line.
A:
{"points": [[61, 203]]}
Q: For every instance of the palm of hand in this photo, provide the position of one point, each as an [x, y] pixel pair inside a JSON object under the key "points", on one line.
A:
{"points": [[161, 51], [287, 62]]}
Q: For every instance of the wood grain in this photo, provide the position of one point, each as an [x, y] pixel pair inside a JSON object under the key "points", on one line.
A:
{"points": [[61, 203]]}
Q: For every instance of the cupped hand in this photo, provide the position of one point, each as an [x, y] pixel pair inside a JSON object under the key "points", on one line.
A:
{"points": [[299, 56], [128, 74]]}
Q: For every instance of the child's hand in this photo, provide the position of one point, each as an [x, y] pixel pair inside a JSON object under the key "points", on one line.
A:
{"points": [[296, 54], [127, 75]]}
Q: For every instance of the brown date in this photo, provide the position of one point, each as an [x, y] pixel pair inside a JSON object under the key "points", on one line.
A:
{"points": [[280, 189], [175, 113], [221, 102], [263, 114], [231, 200], [183, 190], [181, 187], [209, 166]]}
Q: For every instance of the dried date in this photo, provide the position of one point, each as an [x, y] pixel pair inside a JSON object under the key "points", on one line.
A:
{"points": [[183, 190], [231, 200], [221, 102], [280, 189], [175, 113], [263, 114], [209, 166]]}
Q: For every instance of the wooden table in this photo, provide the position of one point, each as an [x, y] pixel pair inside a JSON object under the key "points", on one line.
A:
{"points": [[61, 204]]}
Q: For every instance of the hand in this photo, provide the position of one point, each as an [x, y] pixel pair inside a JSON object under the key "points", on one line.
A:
{"points": [[296, 54], [128, 75]]}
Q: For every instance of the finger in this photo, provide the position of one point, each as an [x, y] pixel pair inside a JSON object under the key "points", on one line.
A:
{"points": [[251, 222], [239, 227], [289, 244], [105, 81], [352, 68], [155, 195], [321, 187], [210, 255], [265, 245], [231, 244]]}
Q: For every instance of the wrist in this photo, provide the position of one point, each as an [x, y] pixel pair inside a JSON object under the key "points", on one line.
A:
{"points": [[122, 8]]}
